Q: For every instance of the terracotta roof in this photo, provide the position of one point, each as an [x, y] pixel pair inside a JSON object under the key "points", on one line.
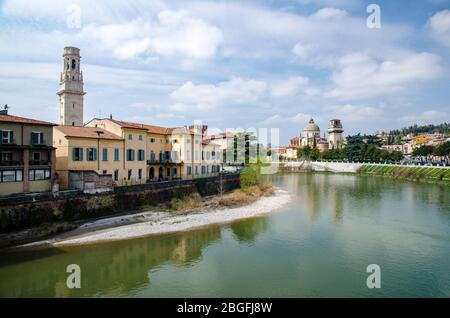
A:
{"points": [[23, 120], [87, 132], [220, 136], [207, 142], [126, 124]]}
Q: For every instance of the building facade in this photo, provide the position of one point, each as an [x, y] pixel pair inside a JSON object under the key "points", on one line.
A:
{"points": [[27, 157]]}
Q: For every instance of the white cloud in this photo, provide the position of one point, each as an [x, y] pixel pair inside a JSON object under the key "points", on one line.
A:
{"points": [[299, 118], [360, 76], [302, 50], [175, 33], [178, 33], [355, 113], [208, 96], [329, 13], [290, 86], [426, 117], [440, 26], [127, 40]]}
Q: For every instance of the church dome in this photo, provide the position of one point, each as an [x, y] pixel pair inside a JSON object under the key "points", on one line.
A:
{"points": [[311, 127]]}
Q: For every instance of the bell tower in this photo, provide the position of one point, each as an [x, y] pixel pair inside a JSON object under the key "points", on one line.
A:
{"points": [[335, 137], [71, 91]]}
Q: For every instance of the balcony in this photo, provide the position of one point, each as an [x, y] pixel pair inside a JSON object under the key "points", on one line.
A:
{"points": [[39, 163], [11, 163], [163, 162]]}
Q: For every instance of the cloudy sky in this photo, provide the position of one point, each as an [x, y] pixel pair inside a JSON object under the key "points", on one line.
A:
{"points": [[233, 64]]}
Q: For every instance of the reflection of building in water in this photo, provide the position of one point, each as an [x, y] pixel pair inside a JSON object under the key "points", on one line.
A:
{"points": [[110, 269]]}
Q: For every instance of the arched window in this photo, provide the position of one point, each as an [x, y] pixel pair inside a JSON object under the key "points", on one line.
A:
{"points": [[74, 64]]}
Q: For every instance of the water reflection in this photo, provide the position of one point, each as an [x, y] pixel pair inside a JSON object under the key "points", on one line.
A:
{"points": [[107, 269], [248, 230]]}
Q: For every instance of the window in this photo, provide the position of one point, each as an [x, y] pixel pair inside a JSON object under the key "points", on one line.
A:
{"points": [[189, 171], [160, 141], [161, 156], [130, 137], [174, 172], [74, 64], [140, 174], [7, 137], [188, 141], [6, 156], [11, 176], [152, 156], [130, 172], [207, 169], [37, 138], [116, 154], [203, 170], [196, 141], [91, 154], [175, 141], [213, 154], [213, 169], [105, 154], [130, 154], [36, 156], [208, 155], [152, 140], [168, 172], [188, 155], [39, 174], [77, 154], [167, 155], [141, 155], [196, 170], [167, 141], [196, 155], [140, 137], [116, 175]]}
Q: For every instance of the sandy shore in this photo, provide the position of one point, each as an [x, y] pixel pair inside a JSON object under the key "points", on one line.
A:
{"points": [[150, 223]]}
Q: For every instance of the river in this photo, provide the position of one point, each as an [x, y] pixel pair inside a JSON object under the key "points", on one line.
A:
{"points": [[317, 245]]}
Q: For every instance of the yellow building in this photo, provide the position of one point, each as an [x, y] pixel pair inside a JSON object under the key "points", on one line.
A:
{"points": [[27, 158], [88, 157]]}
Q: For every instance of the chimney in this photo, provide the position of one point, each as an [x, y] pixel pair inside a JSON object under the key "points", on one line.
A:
{"points": [[110, 116], [4, 111]]}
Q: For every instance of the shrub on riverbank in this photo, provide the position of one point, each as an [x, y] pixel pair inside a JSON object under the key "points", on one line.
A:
{"points": [[192, 201], [247, 195]]}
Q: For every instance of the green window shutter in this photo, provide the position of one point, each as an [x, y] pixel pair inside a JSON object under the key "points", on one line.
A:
{"points": [[116, 154], [33, 138], [95, 154], [105, 154], [12, 137], [81, 154], [73, 153], [132, 155]]}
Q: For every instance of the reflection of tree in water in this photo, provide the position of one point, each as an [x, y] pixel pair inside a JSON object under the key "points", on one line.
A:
{"points": [[106, 269], [248, 230], [432, 194]]}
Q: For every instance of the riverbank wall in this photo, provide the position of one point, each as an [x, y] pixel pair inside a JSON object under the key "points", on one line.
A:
{"points": [[439, 175], [21, 212]]}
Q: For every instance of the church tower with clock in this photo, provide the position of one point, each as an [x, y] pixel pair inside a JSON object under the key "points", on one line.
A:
{"points": [[71, 92]]}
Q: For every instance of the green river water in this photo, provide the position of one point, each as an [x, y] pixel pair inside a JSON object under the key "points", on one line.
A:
{"points": [[318, 245]]}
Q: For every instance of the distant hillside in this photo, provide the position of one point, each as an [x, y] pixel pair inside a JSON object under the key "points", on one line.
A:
{"points": [[429, 129]]}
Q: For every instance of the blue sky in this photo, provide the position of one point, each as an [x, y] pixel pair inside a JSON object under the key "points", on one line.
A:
{"points": [[233, 64]]}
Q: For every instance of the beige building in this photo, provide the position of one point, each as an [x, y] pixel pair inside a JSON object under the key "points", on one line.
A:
{"points": [[89, 157], [27, 158]]}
